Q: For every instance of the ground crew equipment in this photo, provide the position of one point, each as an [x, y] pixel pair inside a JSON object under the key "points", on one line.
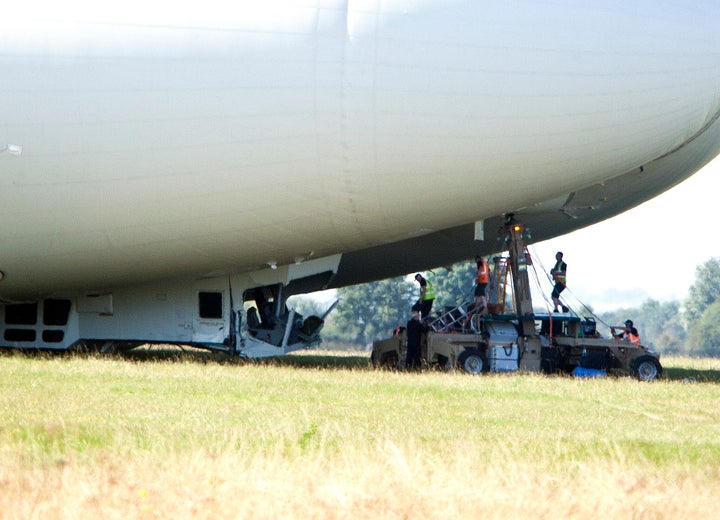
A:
{"points": [[499, 340]]}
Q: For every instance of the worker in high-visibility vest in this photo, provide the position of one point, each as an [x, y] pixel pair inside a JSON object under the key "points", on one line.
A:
{"points": [[629, 333], [427, 296], [559, 275], [482, 278]]}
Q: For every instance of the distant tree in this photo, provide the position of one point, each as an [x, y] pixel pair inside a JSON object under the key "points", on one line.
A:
{"points": [[618, 316], [307, 306], [371, 311], [704, 336], [454, 284], [457, 284], [659, 324], [663, 326], [704, 291]]}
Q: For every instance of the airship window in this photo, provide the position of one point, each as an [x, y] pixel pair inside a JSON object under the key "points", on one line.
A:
{"points": [[19, 335], [56, 312], [53, 336], [21, 314], [210, 305]]}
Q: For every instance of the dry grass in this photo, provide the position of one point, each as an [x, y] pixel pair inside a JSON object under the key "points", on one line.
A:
{"points": [[390, 482], [316, 437]]}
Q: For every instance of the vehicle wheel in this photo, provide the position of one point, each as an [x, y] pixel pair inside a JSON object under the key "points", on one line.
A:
{"points": [[472, 362], [646, 368]]}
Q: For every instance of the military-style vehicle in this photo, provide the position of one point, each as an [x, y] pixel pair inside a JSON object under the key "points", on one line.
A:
{"points": [[520, 340]]}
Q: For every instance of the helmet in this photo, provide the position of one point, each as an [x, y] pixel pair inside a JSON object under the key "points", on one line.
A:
{"points": [[629, 323]]}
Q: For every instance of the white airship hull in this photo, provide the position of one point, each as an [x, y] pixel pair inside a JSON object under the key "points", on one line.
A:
{"points": [[144, 147]]}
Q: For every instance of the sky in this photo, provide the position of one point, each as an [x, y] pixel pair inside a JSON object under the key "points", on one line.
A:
{"points": [[651, 251]]}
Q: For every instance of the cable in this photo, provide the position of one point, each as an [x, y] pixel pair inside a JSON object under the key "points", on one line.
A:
{"points": [[537, 279], [569, 291]]}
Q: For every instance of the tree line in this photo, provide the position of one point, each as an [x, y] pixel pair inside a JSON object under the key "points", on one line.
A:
{"points": [[690, 327], [371, 311]]}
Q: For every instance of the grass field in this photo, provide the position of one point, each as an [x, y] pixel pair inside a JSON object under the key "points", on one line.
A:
{"points": [[173, 434]]}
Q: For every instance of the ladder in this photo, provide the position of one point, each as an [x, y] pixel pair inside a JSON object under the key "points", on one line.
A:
{"points": [[452, 319]]}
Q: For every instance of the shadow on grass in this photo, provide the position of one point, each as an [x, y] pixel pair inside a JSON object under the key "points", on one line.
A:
{"points": [[145, 353], [321, 361], [306, 359], [300, 359], [689, 375], [342, 360], [178, 354]]}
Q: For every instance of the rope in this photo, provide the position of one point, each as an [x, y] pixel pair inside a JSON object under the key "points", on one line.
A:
{"points": [[544, 296], [589, 311], [537, 281], [569, 291]]}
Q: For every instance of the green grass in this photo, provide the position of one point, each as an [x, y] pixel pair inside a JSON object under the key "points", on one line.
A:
{"points": [[60, 406], [328, 412]]}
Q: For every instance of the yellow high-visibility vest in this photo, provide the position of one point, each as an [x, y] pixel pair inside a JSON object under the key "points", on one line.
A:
{"points": [[429, 291], [562, 278]]}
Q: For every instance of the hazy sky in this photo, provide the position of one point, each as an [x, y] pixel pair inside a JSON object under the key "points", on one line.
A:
{"points": [[651, 251]]}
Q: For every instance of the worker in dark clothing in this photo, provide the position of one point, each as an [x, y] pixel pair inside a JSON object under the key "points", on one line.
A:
{"points": [[415, 331], [629, 333], [427, 296], [559, 275]]}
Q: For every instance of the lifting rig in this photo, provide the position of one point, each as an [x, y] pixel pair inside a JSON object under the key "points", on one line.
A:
{"points": [[521, 340]]}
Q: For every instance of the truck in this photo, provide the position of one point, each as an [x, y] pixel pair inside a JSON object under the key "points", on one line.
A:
{"points": [[496, 340]]}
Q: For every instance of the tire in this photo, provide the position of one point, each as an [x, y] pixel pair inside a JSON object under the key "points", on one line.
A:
{"points": [[473, 362], [646, 368]]}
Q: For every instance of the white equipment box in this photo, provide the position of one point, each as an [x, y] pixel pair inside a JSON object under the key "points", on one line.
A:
{"points": [[503, 359]]}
